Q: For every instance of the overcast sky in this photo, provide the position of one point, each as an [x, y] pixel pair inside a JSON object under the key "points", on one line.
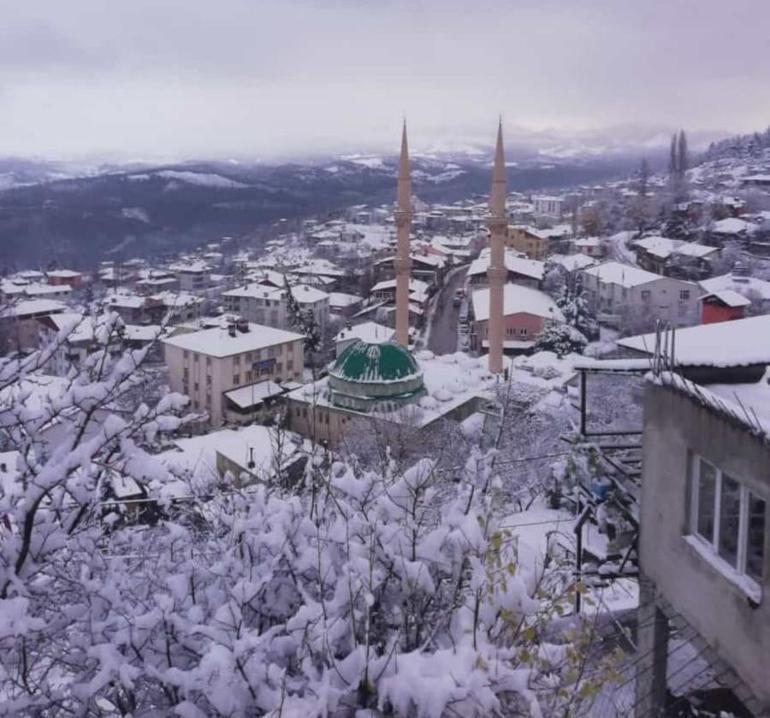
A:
{"points": [[259, 78]]}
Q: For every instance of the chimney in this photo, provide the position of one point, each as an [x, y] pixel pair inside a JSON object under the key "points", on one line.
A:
{"points": [[243, 326], [231, 330], [251, 463]]}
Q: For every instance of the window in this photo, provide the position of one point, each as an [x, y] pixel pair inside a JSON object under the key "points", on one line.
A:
{"points": [[195, 358], [645, 294], [208, 380], [185, 374], [195, 386], [237, 360], [208, 361], [186, 354], [684, 294], [236, 379], [729, 518]]}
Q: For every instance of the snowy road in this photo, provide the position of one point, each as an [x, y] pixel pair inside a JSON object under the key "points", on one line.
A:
{"points": [[618, 249], [442, 338]]}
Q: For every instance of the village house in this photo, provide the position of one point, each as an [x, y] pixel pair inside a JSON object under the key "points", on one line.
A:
{"points": [[590, 246], [523, 271], [723, 306], [705, 527], [756, 290], [262, 304], [675, 257], [525, 313], [617, 292], [344, 305], [58, 277], [529, 241], [547, 206], [19, 323], [225, 370], [193, 276]]}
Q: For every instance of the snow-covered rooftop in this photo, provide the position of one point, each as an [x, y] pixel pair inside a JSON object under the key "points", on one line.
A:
{"points": [[253, 394], [516, 300], [217, 341], [724, 344], [742, 285], [341, 299], [624, 275], [198, 455], [513, 263], [31, 307], [728, 297], [450, 381], [573, 262]]}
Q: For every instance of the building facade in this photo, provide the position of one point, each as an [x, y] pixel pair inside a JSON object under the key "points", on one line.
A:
{"points": [[206, 365], [618, 292], [704, 544]]}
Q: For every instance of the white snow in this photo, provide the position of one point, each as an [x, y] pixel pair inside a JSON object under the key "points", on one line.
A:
{"points": [[217, 341], [724, 344], [517, 300], [204, 179]]}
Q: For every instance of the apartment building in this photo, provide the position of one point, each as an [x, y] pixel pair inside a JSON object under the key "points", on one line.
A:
{"points": [[616, 291], [269, 306], [233, 372]]}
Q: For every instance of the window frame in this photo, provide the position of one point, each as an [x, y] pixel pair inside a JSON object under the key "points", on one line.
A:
{"points": [[712, 544]]}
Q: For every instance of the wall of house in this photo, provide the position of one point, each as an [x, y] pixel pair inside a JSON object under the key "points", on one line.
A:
{"points": [[675, 428], [521, 327], [533, 246], [712, 313], [207, 377], [660, 298], [321, 423]]}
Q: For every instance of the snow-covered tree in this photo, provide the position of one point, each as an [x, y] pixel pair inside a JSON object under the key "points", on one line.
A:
{"points": [[573, 304], [399, 592], [303, 321], [561, 339]]}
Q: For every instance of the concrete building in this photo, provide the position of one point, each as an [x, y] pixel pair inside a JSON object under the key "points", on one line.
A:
{"points": [[619, 292], [224, 370], [269, 306], [529, 241], [20, 326], [519, 270], [193, 276], [705, 538], [547, 206]]}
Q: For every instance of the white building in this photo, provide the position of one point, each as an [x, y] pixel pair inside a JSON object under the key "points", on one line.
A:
{"points": [[266, 305], [616, 290], [192, 276], [212, 364], [547, 206]]}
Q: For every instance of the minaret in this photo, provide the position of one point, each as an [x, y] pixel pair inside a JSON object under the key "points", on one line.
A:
{"points": [[403, 263], [497, 272]]}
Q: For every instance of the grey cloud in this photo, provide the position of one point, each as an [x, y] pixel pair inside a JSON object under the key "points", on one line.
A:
{"points": [[255, 77]]}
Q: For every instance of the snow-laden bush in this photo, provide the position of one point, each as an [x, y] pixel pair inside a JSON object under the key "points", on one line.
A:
{"points": [[393, 592]]}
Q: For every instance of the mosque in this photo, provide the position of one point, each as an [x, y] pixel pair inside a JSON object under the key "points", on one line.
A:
{"points": [[385, 381]]}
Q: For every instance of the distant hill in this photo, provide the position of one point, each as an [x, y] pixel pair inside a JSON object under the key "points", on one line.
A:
{"points": [[739, 147], [77, 216]]}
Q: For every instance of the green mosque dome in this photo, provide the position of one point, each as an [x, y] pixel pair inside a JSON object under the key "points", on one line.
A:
{"points": [[375, 376]]}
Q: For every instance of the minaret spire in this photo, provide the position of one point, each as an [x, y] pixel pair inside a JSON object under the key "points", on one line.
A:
{"points": [[403, 263], [497, 272]]}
